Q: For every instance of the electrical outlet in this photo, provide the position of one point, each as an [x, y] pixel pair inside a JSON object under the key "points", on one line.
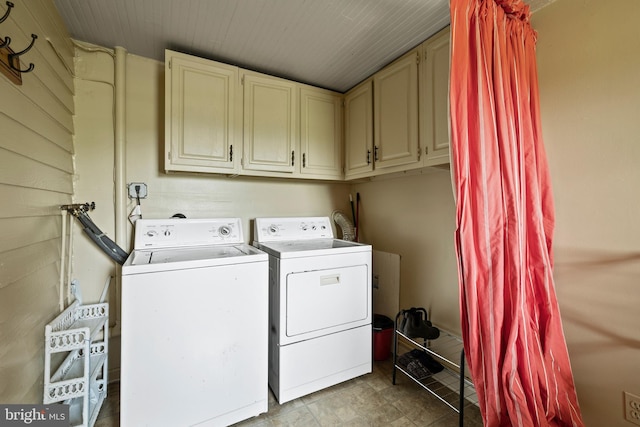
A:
{"points": [[632, 408], [141, 192]]}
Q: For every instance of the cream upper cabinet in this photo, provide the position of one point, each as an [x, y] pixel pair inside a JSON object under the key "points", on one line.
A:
{"points": [[434, 96], [203, 115], [358, 123], [395, 113], [320, 133], [270, 124], [222, 119]]}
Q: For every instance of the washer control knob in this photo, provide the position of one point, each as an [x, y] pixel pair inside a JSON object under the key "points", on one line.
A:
{"points": [[152, 233], [167, 232], [273, 229], [224, 231]]}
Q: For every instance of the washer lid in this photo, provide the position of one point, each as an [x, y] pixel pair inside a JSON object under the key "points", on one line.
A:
{"points": [[162, 256], [158, 260], [314, 247]]}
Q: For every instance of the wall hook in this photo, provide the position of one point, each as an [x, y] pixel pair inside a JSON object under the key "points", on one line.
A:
{"points": [[7, 40], [17, 55], [6, 14]]}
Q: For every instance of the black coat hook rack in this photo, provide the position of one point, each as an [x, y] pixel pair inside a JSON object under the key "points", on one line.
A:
{"points": [[6, 14], [10, 60]]}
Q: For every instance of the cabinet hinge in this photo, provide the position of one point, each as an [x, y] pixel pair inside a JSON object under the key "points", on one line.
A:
{"points": [[419, 152], [169, 64], [418, 58], [168, 155]]}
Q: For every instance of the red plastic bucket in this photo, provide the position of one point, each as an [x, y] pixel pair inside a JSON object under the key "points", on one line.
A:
{"points": [[382, 337]]}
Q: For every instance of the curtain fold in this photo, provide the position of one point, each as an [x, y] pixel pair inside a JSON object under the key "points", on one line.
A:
{"points": [[510, 319]]}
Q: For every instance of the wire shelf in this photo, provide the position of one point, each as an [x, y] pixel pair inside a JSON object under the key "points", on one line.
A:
{"points": [[452, 386]]}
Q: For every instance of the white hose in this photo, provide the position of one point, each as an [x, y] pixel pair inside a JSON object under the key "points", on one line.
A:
{"points": [[345, 224]]}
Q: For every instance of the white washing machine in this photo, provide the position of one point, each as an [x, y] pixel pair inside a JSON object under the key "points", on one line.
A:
{"points": [[320, 305], [194, 325]]}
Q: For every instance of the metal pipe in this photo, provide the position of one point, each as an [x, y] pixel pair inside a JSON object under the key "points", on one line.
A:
{"points": [[120, 155], [119, 168], [69, 259], [63, 250]]}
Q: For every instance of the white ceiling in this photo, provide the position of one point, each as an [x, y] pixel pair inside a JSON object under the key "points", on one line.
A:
{"points": [[333, 44]]}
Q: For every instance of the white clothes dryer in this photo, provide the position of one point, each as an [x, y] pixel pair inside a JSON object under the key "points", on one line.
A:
{"points": [[194, 325], [320, 292]]}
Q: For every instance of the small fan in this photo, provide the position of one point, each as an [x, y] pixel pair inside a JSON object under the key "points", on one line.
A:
{"points": [[345, 224]]}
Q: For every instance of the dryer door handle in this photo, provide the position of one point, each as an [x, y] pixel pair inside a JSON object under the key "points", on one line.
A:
{"points": [[333, 279]]}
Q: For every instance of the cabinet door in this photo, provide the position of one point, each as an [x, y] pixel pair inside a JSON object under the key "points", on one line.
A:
{"points": [[435, 99], [358, 114], [202, 126], [395, 104], [270, 123], [321, 133]]}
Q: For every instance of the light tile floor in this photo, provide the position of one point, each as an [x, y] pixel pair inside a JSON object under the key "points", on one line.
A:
{"points": [[369, 400]]}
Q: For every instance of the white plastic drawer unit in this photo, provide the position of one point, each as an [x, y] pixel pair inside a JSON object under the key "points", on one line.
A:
{"points": [[322, 299]]}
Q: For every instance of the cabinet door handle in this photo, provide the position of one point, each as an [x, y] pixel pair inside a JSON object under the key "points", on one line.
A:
{"points": [[231, 153], [293, 157], [375, 153], [368, 157], [304, 160]]}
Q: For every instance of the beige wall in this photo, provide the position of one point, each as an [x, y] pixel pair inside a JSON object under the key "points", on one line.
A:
{"points": [[589, 71], [36, 177], [414, 216], [94, 158]]}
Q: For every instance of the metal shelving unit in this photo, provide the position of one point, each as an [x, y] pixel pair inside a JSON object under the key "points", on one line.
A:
{"points": [[79, 337], [450, 385]]}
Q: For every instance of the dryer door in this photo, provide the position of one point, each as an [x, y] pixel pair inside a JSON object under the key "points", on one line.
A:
{"points": [[326, 300]]}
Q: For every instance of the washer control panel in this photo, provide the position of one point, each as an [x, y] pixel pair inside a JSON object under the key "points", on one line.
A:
{"points": [[178, 232], [281, 229]]}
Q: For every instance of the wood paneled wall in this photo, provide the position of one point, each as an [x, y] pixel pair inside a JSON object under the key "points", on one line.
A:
{"points": [[36, 177]]}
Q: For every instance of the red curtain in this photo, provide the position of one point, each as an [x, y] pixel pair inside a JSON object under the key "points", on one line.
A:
{"points": [[511, 324]]}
